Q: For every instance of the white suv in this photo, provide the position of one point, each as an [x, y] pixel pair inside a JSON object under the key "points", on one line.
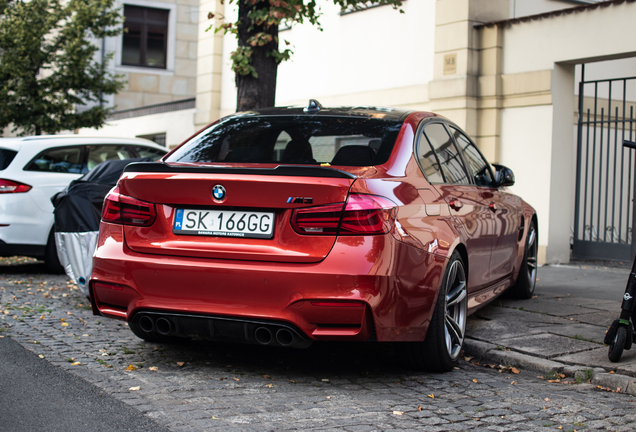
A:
{"points": [[33, 169]]}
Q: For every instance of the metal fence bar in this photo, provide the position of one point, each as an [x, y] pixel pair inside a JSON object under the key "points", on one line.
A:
{"points": [[600, 169], [620, 201], [606, 174], [587, 165]]}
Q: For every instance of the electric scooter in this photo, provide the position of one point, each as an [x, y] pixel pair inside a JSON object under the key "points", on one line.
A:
{"points": [[620, 335]]}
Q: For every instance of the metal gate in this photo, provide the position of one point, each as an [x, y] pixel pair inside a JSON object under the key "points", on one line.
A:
{"points": [[604, 209]]}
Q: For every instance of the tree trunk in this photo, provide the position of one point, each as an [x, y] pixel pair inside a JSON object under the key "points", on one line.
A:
{"points": [[253, 93]]}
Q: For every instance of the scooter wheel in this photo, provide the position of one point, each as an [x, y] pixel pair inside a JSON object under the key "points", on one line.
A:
{"points": [[618, 344]]}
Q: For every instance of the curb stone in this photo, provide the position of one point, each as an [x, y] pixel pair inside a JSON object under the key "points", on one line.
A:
{"points": [[485, 351]]}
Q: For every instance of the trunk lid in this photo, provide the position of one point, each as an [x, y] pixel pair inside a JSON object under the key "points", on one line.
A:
{"points": [[261, 190]]}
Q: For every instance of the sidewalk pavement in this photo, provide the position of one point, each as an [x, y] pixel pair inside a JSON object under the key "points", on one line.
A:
{"points": [[560, 330]]}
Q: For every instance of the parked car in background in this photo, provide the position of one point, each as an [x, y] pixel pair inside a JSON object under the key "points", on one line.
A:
{"points": [[285, 226], [33, 169]]}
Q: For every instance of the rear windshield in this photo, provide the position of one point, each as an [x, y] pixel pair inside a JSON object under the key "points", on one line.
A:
{"points": [[348, 141], [6, 156]]}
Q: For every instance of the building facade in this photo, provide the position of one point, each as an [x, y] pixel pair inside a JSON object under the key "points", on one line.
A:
{"points": [[507, 71]]}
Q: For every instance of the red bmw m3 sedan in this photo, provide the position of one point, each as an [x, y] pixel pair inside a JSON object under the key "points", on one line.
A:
{"points": [[285, 226]]}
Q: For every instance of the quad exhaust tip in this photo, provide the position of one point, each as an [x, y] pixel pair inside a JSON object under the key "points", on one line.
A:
{"points": [[263, 335], [166, 324], [285, 337]]}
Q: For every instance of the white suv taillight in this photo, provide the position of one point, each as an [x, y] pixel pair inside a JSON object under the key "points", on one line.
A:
{"points": [[125, 210], [10, 186]]}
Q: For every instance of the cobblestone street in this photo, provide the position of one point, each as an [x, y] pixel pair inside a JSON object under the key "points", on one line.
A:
{"points": [[201, 386]]}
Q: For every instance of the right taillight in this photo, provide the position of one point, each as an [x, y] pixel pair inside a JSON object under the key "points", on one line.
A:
{"points": [[125, 210], [10, 186], [360, 215]]}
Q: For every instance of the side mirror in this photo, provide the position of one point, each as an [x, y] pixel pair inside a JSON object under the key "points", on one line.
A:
{"points": [[503, 176]]}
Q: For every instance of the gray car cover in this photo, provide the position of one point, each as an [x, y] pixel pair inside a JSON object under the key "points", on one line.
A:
{"points": [[78, 211]]}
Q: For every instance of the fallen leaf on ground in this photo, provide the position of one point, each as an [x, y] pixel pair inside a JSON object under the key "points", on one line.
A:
{"points": [[64, 324], [611, 372], [153, 368], [267, 376], [547, 399], [131, 368], [398, 412], [475, 380], [514, 370], [432, 396], [75, 364], [270, 385], [180, 364], [41, 356], [419, 408], [236, 379], [135, 388]]}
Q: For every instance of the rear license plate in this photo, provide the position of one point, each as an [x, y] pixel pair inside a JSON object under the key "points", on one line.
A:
{"points": [[224, 223]]}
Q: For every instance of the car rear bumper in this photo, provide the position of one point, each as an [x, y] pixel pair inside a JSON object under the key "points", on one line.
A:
{"points": [[367, 286]]}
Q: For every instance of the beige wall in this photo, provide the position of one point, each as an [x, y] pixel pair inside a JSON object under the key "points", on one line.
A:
{"points": [[511, 85], [177, 125], [375, 57], [538, 106], [148, 86]]}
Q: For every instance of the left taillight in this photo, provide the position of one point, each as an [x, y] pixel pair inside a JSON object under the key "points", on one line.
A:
{"points": [[360, 215], [125, 210], [10, 186]]}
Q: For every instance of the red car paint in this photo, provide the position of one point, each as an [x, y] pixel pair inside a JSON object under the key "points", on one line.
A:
{"points": [[327, 287]]}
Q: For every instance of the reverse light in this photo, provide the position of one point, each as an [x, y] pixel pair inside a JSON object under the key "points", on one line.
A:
{"points": [[317, 220], [10, 186], [125, 210], [360, 215]]}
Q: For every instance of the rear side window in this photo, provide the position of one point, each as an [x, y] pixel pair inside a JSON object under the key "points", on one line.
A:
{"points": [[101, 153], [150, 152], [448, 157], [59, 159], [6, 157], [293, 140], [478, 166]]}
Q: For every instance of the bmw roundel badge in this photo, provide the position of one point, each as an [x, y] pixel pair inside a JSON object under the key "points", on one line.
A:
{"points": [[218, 192]]}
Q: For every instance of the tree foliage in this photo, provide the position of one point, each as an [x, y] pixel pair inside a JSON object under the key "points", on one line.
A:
{"points": [[256, 59], [47, 66]]}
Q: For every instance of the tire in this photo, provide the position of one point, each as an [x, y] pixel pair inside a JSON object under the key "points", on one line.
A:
{"points": [[51, 259], [618, 344], [444, 340], [527, 279]]}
